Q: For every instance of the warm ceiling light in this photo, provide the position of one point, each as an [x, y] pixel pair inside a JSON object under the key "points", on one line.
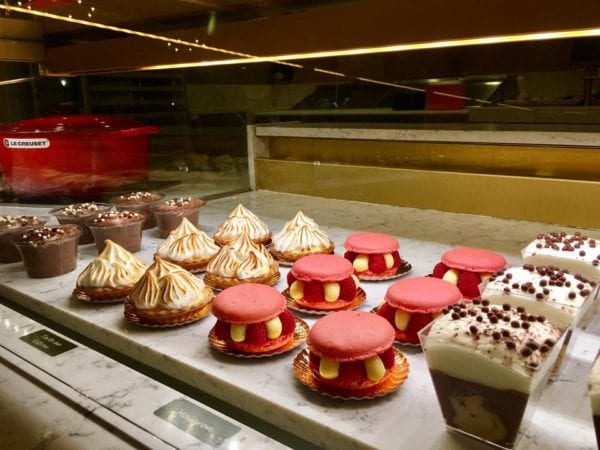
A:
{"points": [[15, 81]]}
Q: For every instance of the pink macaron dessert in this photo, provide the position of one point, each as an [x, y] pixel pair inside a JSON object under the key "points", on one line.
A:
{"points": [[373, 255], [467, 267], [351, 350], [322, 282], [252, 318], [411, 304]]}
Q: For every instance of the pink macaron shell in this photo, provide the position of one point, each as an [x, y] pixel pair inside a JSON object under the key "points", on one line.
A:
{"points": [[474, 260], [248, 303], [350, 336], [371, 243], [422, 295], [322, 268]]}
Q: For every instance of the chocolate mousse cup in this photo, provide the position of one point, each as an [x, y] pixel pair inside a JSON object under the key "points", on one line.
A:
{"points": [[170, 213], [121, 227], [48, 252], [10, 225], [138, 202], [489, 375], [78, 214]]}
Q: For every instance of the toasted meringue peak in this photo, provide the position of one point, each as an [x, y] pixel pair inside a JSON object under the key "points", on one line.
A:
{"points": [[242, 220], [303, 238], [167, 285], [113, 267], [187, 242], [242, 259], [299, 220]]}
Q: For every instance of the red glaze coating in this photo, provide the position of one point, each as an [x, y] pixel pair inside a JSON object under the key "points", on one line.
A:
{"points": [[369, 243], [322, 268], [248, 303], [422, 294], [474, 260], [350, 335]]}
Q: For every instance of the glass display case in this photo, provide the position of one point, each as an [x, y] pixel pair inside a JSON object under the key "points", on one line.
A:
{"points": [[443, 125]]}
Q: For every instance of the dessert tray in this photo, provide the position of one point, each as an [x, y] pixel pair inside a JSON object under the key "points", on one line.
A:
{"points": [[305, 376], [300, 334], [360, 298], [403, 270]]}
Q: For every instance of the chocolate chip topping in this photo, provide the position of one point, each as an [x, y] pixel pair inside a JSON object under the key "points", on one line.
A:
{"points": [[7, 222]]}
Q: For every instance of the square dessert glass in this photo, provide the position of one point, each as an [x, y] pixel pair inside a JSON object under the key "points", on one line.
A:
{"points": [[481, 398], [128, 234], [142, 205], [79, 219], [8, 251], [51, 258]]}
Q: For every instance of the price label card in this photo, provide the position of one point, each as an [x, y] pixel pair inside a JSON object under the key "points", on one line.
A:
{"points": [[47, 342]]}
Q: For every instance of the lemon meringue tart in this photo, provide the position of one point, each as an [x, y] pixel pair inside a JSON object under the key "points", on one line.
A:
{"points": [[242, 261], [167, 295], [188, 247], [110, 276], [242, 220], [300, 237]]}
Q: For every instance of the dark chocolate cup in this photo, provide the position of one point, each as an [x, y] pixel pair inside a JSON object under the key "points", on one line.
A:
{"points": [[86, 236], [52, 258], [169, 219], [128, 235], [8, 251], [140, 207]]}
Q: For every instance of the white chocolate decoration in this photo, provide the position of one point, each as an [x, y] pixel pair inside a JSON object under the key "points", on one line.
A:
{"points": [[329, 369], [242, 259], [242, 220], [297, 290], [237, 332], [451, 276], [401, 319], [331, 291], [113, 267], [361, 263], [274, 328], [389, 260], [375, 368]]}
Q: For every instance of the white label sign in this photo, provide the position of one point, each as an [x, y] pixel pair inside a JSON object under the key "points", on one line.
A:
{"points": [[25, 144]]}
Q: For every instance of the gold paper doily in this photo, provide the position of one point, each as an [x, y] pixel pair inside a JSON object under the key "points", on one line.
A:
{"points": [[300, 334], [303, 373], [360, 298], [80, 295], [404, 269], [132, 317]]}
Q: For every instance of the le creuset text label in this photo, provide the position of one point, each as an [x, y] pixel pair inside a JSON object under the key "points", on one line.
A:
{"points": [[47, 342], [197, 421], [26, 144]]}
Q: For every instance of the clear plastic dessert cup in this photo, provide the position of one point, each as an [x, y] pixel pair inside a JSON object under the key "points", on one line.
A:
{"points": [[594, 395], [51, 256], [8, 251], [67, 215], [481, 397], [169, 214], [138, 202], [126, 232]]}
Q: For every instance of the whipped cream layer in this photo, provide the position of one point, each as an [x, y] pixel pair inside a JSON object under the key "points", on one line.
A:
{"points": [[169, 286], [502, 347], [242, 220], [548, 290], [575, 252], [242, 259], [594, 386], [187, 242], [113, 267]]}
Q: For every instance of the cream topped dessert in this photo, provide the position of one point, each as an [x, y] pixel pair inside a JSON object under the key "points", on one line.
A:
{"points": [[242, 261], [486, 361], [242, 220], [111, 275], [300, 237], [576, 253], [139, 201], [536, 288], [10, 225], [170, 213], [594, 395], [78, 214], [167, 294], [188, 247], [122, 227]]}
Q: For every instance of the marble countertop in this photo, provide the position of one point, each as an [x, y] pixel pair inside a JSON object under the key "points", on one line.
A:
{"points": [[509, 137], [266, 388]]}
